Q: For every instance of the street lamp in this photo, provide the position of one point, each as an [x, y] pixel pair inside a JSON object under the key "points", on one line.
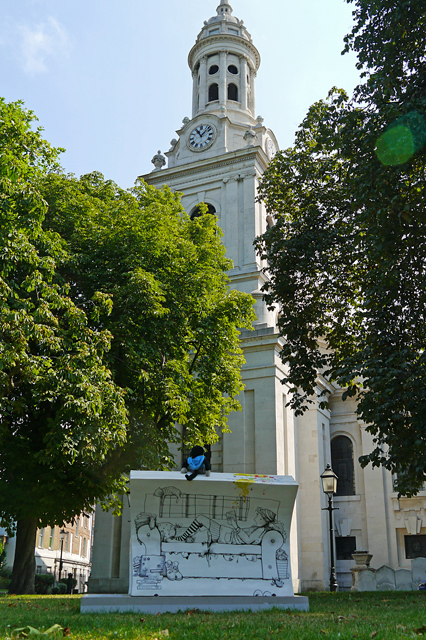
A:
{"points": [[329, 485], [62, 537]]}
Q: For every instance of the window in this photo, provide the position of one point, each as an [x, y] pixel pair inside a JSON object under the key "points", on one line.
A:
{"points": [[233, 92], [233, 69], [51, 538], [41, 537], [415, 547], [84, 547], [213, 69], [77, 527], [213, 92], [234, 31], [213, 31], [342, 461], [196, 213], [345, 547], [67, 541]]}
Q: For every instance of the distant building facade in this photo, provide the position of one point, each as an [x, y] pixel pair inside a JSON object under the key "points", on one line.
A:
{"points": [[76, 550]]}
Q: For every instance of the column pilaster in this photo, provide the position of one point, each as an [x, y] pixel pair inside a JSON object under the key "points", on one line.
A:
{"points": [[194, 92], [203, 83], [243, 76], [222, 77]]}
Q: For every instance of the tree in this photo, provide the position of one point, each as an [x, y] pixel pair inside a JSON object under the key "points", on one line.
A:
{"points": [[60, 412], [347, 253], [115, 323], [175, 347]]}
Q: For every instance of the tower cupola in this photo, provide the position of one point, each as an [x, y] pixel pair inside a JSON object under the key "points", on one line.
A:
{"points": [[224, 63], [224, 8]]}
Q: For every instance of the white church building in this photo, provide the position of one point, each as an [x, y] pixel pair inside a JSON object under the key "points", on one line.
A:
{"points": [[219, 158]]}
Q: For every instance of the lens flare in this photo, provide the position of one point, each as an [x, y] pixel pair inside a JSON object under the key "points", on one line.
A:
{"points": [[402, 139]]}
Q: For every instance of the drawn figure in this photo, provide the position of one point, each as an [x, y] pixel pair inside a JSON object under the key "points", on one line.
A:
{"points": [[265, 520], [196, 463]]}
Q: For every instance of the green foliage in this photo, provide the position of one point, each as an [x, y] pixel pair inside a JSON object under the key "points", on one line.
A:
{"points": [[347, 253], [59, 588], [65, 582], [42, 582], [56, 631], [6, 573], [61, 414], [2, 555], [175, 349], [116, 322]]}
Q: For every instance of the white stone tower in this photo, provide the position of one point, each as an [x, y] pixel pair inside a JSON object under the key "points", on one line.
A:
{"points": [[219, 157]]}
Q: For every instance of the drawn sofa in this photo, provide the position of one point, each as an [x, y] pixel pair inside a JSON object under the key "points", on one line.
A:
{"points": [[164, 557]]}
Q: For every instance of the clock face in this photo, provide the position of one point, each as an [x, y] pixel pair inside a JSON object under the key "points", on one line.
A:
{"points": [[270, 148], [201, 137]]}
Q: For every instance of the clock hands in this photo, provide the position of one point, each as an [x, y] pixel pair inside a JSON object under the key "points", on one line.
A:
{"points": [[201, 136]]}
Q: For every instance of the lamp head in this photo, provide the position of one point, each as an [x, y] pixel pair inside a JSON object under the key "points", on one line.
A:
{"points": [[329, 481]]}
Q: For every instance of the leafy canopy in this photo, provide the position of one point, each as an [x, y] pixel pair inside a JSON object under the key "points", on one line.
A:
{"points": [[175, 348], [60, 412], [347, 253], [116, 322]]}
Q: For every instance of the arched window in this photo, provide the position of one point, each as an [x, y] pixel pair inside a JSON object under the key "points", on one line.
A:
{"points": [[196, 213], [213, 92], [233, 92], [342, 462]]}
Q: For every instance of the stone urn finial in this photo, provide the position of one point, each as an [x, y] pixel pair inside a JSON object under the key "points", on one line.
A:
{"points": [[158, 161], [250, 137]]}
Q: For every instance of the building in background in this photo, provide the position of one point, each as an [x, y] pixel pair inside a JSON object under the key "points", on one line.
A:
{"points": [[76, 542]]}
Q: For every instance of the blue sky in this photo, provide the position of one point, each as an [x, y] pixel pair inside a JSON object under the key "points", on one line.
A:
{"points": [[109, 80]]}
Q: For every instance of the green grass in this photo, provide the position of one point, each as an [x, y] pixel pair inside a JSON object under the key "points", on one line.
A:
{"points": [[383, 616]]}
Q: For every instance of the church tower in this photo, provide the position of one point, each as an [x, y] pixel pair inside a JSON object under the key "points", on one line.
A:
{"points": [[218, 158], [222, 151]]}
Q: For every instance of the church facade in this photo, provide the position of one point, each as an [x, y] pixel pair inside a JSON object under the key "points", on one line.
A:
{"points": [[218, 158]]}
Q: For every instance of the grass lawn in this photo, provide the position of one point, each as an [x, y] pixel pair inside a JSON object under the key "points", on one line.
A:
{"points": [[383, 616]]}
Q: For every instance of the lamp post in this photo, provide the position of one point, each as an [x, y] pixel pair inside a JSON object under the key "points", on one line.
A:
{"points": [[62, 537], [329, 485]]}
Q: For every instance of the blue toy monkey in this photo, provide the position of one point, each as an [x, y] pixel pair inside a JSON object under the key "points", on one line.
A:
{"points": [[196, 463]]}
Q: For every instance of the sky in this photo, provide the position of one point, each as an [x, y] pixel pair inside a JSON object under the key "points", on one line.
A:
{"points": [[109, 80]]}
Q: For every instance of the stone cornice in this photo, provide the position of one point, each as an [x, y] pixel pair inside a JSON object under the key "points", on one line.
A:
{"points": [[223, 38], [211, 164]]}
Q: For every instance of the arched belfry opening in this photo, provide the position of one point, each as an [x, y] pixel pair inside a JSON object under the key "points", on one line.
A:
{"points": [[233, 92], [197, 211], [213, 92]]}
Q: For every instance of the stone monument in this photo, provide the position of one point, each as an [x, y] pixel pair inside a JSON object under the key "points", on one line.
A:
{"points": [[217, 543]]}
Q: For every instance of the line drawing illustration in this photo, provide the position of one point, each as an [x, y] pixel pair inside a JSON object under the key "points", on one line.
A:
{"points": [[183, 536]]}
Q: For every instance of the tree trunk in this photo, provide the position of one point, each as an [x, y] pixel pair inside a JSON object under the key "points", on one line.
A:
{"points": [[24, 564]]}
